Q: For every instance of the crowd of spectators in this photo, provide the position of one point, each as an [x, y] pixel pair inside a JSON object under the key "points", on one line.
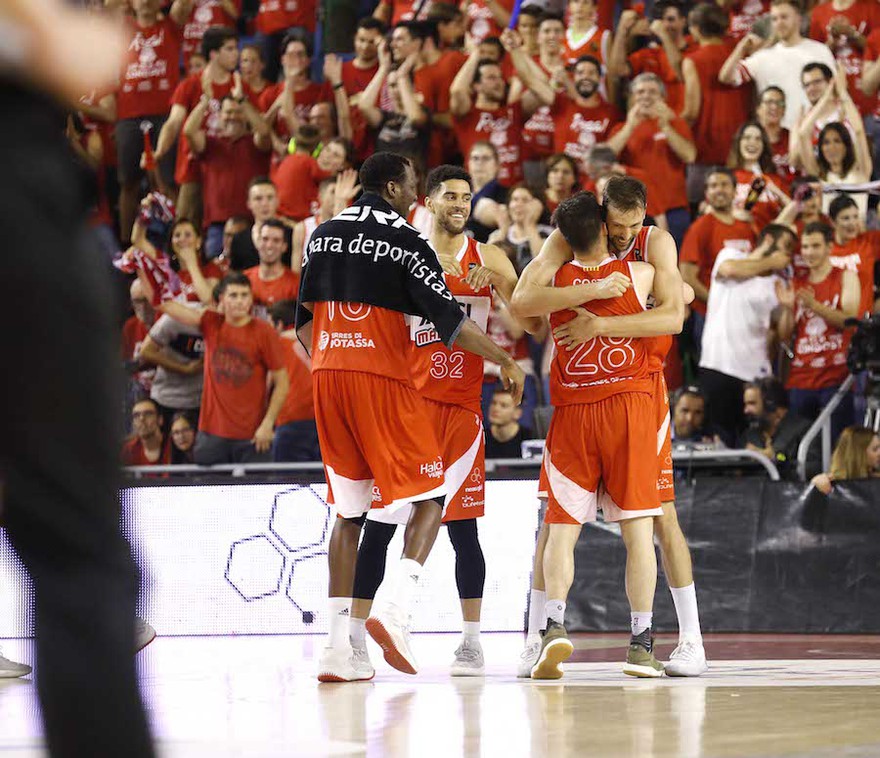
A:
{"points": [[744, 118]]}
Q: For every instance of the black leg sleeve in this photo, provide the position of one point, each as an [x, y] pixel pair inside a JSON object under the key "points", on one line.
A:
{"points": [[470, 565], [370, 569]]}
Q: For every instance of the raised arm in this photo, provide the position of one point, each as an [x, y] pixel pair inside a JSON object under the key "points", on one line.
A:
{"points": [[333, 75], [193, 128], [412, 108], [693, 96], [369, 99], [730, 73], [152, 352], [180, 312], [460, 91], [527, 70]]}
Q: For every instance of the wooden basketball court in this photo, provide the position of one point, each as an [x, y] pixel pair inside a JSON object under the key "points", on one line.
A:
{"points": [[764, 695]]}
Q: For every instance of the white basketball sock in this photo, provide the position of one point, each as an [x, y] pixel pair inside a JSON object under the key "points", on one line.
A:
{"points": [[358, 632], [537, 616], [685, 599], [555, 610], [339, 609], [640, 620], [406, 579]]}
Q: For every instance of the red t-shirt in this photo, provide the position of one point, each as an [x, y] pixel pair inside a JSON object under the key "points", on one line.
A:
{"points": [[860, 255], [356, 79], [819, 348], [654, 60], [648, 150], [481, 22], [134, 332], [151, 69], [269, 292], [210, 270], [577, 129], [864, 16], [299, 405], [784, 170], [503, 128], [704, 240], [278, 15], [744, 13], [133, 453], [227, 168], [297, 178], [237, 361], [723, 109], [303, 101], [767, 208], [188, 94], [205, 13]]}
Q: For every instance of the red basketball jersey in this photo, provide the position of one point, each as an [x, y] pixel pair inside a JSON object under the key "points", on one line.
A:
{"points": [[604, 366], [658, 347], [452, 376]]}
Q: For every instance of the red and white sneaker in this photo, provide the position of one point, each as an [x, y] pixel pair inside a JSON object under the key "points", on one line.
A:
{"points": [[389, 628]]}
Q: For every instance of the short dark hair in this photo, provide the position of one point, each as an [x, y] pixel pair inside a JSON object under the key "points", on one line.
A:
{"points": [[257, 180], [579, 220], [626, 193], [233, 278], [771, 88], [709, 19], [822, 68], [690, 390], [381, 168], [297, 36], [840, 204], [368, 22], [793, 3], [773, 393], [531, 9], [548, 16], [256, 48], [661, 6], [421, 30], [283, 311], [819, 227], [725, 171], [215, 37], [587, 59], [445, 173], [776, 232], [274, 223]]}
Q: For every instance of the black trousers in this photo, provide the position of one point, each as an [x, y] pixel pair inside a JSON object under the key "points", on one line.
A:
{"points": [[724, 403], [60, 443]]}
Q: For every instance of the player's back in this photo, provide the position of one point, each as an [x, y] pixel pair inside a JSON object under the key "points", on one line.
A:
{"points": [[452, 376], [360, 337], [603, 366], [658, 347]]}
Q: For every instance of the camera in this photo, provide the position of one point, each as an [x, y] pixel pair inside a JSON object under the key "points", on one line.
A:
{"points": [[864, 347]]}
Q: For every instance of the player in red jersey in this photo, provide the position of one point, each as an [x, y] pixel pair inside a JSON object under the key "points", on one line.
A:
{"points": [[375, 429], [625, 203], [451, 381], [596, 450]]}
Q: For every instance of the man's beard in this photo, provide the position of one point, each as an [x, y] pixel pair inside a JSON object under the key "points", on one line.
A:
{"points": [[582, 87]]}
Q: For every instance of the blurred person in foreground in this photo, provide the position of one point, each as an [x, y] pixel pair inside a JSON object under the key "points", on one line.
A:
{"points": [[60, 496]]}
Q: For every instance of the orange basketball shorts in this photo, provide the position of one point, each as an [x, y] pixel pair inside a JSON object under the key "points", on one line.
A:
{"points": [[598, 455], [665, 476], [375, 431]]}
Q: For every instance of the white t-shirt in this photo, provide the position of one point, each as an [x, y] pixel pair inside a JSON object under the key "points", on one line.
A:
{"points": [[782, 66], [737, 322]]}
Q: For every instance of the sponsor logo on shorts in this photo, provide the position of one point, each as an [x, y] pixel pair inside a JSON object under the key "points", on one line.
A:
{"points": [[377, 495], [476, 476], [434, 469]]}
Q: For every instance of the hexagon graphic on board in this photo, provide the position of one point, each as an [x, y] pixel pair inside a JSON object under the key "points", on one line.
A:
{"points": [[308, 572], [300, 520], [254, 567]]}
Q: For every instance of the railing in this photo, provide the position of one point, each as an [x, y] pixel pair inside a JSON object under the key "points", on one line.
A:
{"points": [[821, 424], [243, 469]]}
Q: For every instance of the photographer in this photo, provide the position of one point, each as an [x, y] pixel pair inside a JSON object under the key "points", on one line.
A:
{"points": [[773, 429]]}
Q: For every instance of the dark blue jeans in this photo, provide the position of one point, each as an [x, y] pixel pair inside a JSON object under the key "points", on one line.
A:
{"points": [[296, 442], [809, 404]]}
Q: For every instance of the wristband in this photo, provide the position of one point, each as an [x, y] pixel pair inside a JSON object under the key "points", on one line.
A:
{"points": [[338, 86]]}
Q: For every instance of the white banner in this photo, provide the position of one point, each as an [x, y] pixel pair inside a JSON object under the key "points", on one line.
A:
{"points": [[252, 559]]}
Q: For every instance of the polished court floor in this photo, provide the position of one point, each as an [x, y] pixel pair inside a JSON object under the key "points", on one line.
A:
{"points": [[765, 695]]}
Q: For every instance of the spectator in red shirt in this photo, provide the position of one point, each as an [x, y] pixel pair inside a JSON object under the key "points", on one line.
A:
{"points": [[751, 158], [272, 281], [769, 113], [360, 70], [661, 56], [220, 48], [721, 226], [588, 34], [581, 117], [186, 252], [237, 423], [134, 332], [278, 19], [229, 161], [147, 446], [451, 27], [149, 77], [298, 174], [296, 436], [855, 249], [714, 110], [202, 15], [814, 311], [252, 66], [660, 143]]}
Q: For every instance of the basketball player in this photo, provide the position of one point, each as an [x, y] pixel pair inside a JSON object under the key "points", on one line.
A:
{"points": [[624, 204], [596, 447], [451, 381], [373, 427]]}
